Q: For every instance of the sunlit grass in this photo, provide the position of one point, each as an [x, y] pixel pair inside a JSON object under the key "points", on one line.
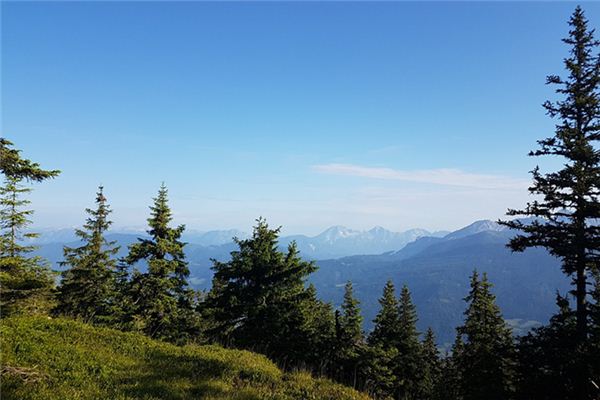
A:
{"points": [[62, 359]]}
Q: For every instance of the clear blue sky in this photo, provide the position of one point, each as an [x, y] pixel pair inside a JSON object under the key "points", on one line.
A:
{"points": [[310, 114]]}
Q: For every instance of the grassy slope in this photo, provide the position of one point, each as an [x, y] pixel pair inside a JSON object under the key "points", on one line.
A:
{"points": [[78, 361]]}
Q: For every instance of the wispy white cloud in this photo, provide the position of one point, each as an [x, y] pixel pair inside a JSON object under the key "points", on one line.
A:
{"points": [[442, 176]]}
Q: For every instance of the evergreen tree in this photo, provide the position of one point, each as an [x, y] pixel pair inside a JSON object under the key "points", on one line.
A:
{"points": [[565, 216], [161, 298], [14, 166], [547, 356], [258, 298], [431, 363], [387, 322], [26, 282], [593, 350], [317, 333], [486, 361], [409, 363], [448, 386], [87, 290], [350, 341], [382, 353]]}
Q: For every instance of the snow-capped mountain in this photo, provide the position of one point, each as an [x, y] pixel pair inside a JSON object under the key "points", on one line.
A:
{"points": [[476, 227], [339, 241]]}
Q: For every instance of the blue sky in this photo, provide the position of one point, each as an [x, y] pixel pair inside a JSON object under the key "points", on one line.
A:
{"points": [[310, 114]]}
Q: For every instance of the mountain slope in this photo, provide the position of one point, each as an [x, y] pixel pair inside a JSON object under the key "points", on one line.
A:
{"points": [[437, 273], [62, 359]]}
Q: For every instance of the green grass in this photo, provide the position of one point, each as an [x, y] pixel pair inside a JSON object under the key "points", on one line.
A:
{"points": [[62, 359]]}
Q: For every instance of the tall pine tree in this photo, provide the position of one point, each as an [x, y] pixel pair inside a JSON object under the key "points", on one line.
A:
{"points": [[162, 302], [87, 289], [487, 359], [409, 363], [432, 365], [26, 282], [349, 341], [383, 340], [565, 215], [385, 332]]}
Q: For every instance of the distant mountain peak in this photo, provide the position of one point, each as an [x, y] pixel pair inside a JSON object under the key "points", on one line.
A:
{"points": [[484, 225], [337, 232]]}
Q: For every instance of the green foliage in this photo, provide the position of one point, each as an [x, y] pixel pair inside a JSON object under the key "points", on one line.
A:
{"points": [[87, 289], [448, 386], [432, 365], [387, 322], [350, 321], [317, 333], [162, 304], [44, 359], [486, 360], [547, 357], [259, 301], [26, 282], [382, 354], [349, 344], [12, 165], [569, 206], [409, 363]]}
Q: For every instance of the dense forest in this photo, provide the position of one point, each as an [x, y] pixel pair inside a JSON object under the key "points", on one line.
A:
{"points": [[260, 300]]}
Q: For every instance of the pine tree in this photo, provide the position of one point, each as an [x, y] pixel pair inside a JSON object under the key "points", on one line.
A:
{"points": [[161, 297], [316, 341], [409, 363], [448, 386], [486, 361], [564, 217], [382, 353], [350, 341], [26, 282], [547, 356], [593, 350], [431, 363], [386, 324], [257, 298], [87, 289], [14, 166]]}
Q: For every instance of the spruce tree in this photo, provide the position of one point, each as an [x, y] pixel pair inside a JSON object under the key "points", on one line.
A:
{"points": [[486, 361], [431, 363], [564, 217], [386, 324], [593, 350], [316, 339], [448, 386], [349, 338], [26, 282], [409, 363], [14, 166], [87, 289], [547, 358], [161, 298], [258, 297], [383, 346]]}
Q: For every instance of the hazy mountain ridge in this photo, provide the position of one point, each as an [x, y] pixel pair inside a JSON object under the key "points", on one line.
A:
{"points": [[336, 241], [436, 269]]}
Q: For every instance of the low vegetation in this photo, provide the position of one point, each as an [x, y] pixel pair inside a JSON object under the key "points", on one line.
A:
{"points": [[49, 359]]}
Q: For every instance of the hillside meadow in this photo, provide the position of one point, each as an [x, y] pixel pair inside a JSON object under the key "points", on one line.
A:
{"points": [[48, 359]]}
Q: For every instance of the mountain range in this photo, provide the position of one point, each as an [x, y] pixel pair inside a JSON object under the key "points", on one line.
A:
{"points": [[435, 266]]}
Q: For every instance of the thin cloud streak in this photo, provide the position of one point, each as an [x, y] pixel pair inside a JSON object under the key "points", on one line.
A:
{"points": [[442, 176]]}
